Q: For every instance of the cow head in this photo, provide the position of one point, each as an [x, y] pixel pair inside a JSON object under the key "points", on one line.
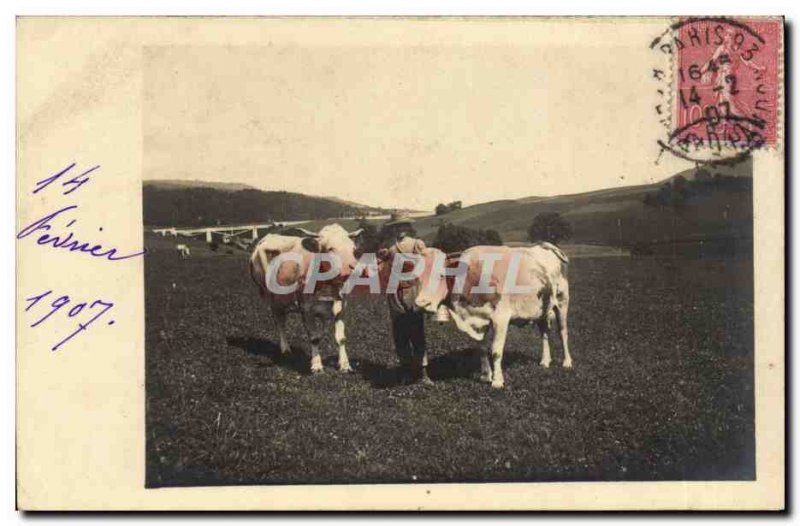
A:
{"points": [[436, 279], [337, 242]]}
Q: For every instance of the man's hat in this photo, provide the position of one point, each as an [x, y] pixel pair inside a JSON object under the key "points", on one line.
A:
{"points": [[399, 218]]}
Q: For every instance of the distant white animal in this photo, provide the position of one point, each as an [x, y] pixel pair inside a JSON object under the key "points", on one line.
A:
{"points": [[183, 251]]}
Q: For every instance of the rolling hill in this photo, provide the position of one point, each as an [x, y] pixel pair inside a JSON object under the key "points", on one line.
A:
{"points": [[191, 204], [177, 184], [721, 208]]}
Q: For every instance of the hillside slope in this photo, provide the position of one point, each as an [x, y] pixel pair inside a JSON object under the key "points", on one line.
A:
{"points": [[721, 208], [187, 206], [619, 216], [174, 184]]}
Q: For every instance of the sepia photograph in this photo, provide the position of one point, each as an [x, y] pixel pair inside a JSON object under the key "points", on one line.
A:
{"points": [[629, 358]]}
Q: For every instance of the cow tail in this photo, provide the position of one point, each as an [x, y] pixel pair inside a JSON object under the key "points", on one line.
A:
{"points": [[258, 277]]}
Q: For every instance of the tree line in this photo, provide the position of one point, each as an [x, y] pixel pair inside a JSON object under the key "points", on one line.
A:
{"points": [[189, 207], [679, 192], [450, 237]]}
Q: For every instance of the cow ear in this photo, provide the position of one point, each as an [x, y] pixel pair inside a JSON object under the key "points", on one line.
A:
{"points": [[355, 233], [311, 244]]}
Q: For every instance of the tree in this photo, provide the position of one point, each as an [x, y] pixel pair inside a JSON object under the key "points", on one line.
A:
{"points": [[702, 176], [442, 209], [369, 240], [551, 227], [457, 238], [680, 192], [492, 237]]}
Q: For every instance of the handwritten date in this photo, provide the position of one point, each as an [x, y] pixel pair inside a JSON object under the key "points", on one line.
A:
{"points": [[83, 310]]}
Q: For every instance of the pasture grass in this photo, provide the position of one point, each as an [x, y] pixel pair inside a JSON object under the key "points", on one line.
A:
{"points": [[662, 387]]}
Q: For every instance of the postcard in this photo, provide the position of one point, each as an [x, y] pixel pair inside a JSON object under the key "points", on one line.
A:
{"points": [[400, 263]]}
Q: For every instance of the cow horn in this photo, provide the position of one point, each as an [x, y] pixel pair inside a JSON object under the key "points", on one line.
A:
{"points": [[355, 233], [302, 231]]}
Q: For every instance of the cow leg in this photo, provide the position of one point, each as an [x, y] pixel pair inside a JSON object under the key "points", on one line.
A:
{"points": [[561, 317], [338, 333], [486, 368], [544, 329], [500, 328], [485, 352], [280, 321], [314, 337]]}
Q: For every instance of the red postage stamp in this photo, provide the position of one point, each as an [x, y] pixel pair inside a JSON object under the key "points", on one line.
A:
{"points": [[726, 85], [729, 67], [733, 68]]}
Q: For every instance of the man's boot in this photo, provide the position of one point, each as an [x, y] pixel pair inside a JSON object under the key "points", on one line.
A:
{"points": [[405, 373], [420, 366]]}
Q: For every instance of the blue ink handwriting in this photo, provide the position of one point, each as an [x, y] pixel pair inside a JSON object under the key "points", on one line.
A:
{"points": [[75, 183], [77, 308], [62, 241]]}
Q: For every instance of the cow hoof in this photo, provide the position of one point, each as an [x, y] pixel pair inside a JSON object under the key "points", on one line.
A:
{"points": [[346, 369], [567, 364], [425, 380], [486, 378], [497, 384], [286, 352], [316, 365], [546, 365]]}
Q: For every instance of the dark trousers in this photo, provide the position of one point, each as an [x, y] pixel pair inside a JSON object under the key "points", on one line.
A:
{"points": [[408, 330]]}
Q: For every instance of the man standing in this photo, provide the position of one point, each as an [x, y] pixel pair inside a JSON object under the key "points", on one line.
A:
{"points": [[408, 324]]}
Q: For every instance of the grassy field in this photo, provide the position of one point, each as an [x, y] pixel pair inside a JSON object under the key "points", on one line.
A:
{"points": [[662, 387]]}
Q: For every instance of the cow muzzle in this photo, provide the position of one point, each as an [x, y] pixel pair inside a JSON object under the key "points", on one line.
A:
{"points": [[426, 305]]}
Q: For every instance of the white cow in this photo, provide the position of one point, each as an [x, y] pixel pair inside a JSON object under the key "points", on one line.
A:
{"points": [[183, 251], [483, 300], [317, 296]]}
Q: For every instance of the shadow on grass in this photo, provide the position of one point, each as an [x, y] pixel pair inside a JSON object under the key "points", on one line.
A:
{"points": [[296, 360], [464, 363]]}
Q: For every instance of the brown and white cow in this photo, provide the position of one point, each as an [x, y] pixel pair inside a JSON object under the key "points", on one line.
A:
{"points": [[295, 273], [497, 285]]}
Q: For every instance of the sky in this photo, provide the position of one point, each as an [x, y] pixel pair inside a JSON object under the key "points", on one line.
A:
{"points": [[409, 122]]}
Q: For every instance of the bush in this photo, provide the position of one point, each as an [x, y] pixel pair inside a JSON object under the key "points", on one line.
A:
{"points": [[678, 192], [641, 249], [550, 227], [457, 238], [442, 209], [492, 237], [369, 239]]}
